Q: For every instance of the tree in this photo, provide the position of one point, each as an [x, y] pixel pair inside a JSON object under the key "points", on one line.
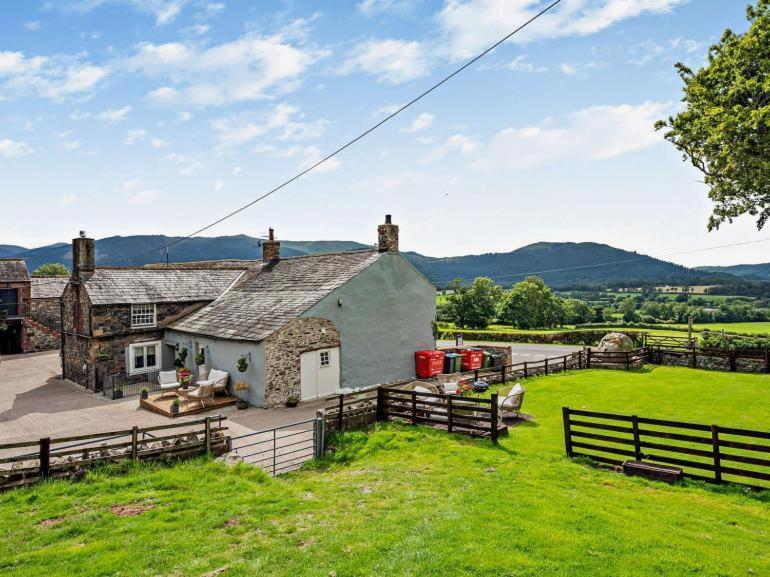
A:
{"points": [[475, 306], [51, 269], [530, 304], [577, 312], [628, 307], [724, 129]]}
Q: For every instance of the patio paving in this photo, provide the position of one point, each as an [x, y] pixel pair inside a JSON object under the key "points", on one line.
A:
{"points": [[35, 402]]}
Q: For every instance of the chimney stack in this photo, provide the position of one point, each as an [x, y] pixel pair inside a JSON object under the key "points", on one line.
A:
{"points": [[83, 256], [387, 236], [271, 248]]}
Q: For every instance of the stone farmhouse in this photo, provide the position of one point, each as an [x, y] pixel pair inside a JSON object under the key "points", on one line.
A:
{"points": [[305, 326], [33, 309]]}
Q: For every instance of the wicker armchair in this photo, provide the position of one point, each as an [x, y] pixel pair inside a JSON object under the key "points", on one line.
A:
{"points": [[218, 379], [167, 382], [510, 399], [201, 394]]}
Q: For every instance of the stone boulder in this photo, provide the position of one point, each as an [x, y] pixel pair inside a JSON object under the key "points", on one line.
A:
{"points": [[615, 343]]}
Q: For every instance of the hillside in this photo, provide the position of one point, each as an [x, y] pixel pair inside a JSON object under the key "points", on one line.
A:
{"points": [[748, 271], [580, 260], [123, 250], [10, 250]]}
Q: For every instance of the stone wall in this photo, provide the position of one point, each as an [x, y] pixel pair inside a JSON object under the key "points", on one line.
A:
{"points": [[46, 311], [115, 320], [41, 337], [282, 355], [78, 360]]}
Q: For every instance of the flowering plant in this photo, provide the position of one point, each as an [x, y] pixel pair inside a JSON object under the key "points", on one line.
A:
{"points": [[184, 377], [464, 388], [241, 386]]}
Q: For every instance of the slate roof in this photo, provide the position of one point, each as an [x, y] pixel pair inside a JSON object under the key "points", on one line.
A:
{"points": [[48, 287], [269, 296], [13, 270], [135, 286]]}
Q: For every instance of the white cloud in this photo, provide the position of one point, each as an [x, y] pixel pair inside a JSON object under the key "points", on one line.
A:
{"points": [[67, 199], [237, 169], [52, 77], [159, 143], [114, 115], [219, 185], [385, 110], [567, 68], [391, 61], [522, 64], [13, 148], [465, 145], [472, 25], [134, 136], [594, 133], [421, 122], [284, 121], [184, 116], [130, 185], [145, 196], [164, 11], [238, 71], [377, 7], [32, 26]]}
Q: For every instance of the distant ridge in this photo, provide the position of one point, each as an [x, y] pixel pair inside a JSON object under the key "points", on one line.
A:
{"points": [[747, 271]]}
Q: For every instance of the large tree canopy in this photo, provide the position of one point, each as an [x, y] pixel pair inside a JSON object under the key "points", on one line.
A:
{"points": [[51, 269], [724, 129]]}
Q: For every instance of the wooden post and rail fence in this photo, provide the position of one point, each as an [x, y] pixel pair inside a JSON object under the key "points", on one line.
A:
{"points": [[711, 453], [65, 457]]}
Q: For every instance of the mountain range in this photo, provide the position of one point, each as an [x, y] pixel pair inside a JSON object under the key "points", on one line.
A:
{"points": [[560, 264], [747, 271]]}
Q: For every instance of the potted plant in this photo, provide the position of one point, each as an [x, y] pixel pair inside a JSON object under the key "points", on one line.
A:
{"points": [[181, 358], [184, 377], [200, 358], [145, 393], [175, 407], [117, 392], [242, 364], [241, 387], [292, 401]]}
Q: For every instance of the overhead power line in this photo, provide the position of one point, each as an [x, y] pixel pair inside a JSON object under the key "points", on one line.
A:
{"points": [[609, 263], [348, 143]]}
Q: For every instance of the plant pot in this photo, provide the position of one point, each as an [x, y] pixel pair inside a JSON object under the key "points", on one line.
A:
{"points": [[117, 394], [145, 395], [241, 404], [174, 409], [292, 403], [242, 369]]}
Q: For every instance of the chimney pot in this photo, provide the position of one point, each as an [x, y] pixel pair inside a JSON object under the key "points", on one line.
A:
{"points": [[83, 256], [271, 248], [387, 236]]}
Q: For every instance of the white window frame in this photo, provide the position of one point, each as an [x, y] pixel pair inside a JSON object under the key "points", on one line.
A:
{"points": [[321, 363], [132, 355], [145, 313]]}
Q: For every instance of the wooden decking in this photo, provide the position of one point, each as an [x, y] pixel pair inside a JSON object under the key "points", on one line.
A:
{"points": [[162, 404]]}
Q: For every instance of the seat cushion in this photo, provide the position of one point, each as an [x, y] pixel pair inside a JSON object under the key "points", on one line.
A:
{"points": [[419, 389], [517, 388], [166, 377]]}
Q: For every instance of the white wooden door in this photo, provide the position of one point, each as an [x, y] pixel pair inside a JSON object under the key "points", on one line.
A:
{"points": [[320, 373]]}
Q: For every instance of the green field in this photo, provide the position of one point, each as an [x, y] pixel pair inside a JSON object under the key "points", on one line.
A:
{"points": [[413, 501], [756, 328], [566, 328]]}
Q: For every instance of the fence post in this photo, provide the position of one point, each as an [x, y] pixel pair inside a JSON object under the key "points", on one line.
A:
{"points": [[567, 431], [733, 354], [274, 450], [767, 361], [494, 418], [319, 433], [565, 363], [717, 456], [502, 374], [588, 358], [45, 457], [637, 442], [580, 359], [694, 358], [339, 416], [414, 407], [475, 374], [450, 421], [135, 443], [628, 361], [207, 425], [546, 366], [380, 404], [526, 370]]}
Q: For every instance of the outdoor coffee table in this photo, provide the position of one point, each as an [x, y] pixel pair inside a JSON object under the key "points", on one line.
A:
{"points": [[184, 394]]}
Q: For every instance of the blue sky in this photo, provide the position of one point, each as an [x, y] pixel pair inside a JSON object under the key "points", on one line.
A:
{"points": [[157, 116]]}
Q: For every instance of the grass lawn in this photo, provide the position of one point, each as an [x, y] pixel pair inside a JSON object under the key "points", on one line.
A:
{"points": [[565, 328], [413, 501], [756, 328]]}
